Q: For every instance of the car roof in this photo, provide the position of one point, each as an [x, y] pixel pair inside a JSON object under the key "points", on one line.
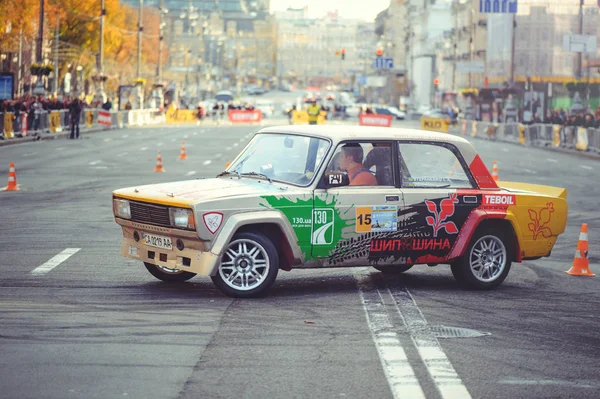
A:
{"points": [[345, 132], [339, 133]]}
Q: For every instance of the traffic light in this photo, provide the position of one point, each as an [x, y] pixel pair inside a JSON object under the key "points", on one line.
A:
{"points": [[343, 54]]}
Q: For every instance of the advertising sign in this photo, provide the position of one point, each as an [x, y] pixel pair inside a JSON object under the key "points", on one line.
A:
{"points": [[7, 86], [239, 116], [375, 120]]}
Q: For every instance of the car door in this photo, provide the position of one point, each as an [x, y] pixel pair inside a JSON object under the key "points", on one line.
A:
{"points": [[345, 219], [439, 194]]}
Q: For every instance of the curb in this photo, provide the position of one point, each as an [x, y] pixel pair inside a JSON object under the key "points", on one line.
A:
{"points": [[48, 136]]}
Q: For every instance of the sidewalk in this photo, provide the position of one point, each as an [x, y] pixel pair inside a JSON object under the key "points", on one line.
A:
{"points": [[50, 136]]}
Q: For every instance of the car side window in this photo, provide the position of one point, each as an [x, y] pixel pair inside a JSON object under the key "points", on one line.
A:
{"points": [[367, 164], [427, 165]]}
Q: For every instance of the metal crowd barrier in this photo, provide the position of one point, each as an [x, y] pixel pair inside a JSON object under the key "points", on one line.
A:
{"points": [[50, 122], [538, 134]]}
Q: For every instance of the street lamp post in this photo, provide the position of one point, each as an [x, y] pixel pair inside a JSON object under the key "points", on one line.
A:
{"points": [[139, 38], [162, 10], [101, 56]]}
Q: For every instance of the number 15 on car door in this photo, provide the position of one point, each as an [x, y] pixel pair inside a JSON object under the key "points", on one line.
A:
{"points": [[376, 219]]}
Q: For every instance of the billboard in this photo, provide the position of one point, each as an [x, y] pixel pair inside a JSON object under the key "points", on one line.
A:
{"points": [[7, 86]]}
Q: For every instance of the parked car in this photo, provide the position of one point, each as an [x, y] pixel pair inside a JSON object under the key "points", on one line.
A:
{"points": [[399, 115], [293, 199]]}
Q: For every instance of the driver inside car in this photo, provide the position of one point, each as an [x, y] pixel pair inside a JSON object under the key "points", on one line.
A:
{"points": [[351, 160]]}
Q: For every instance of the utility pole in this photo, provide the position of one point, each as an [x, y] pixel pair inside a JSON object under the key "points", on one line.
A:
{"points": [[40, 34], [579, 73], [101, 60], [512, 49], [139, 41], [56, 56], [455, 8], [161, 10], [20, 65]]}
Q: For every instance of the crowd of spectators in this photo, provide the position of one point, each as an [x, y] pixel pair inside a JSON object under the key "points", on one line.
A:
{"points": [[566, 118]]}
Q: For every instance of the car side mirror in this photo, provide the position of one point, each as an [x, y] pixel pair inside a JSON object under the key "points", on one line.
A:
{"points": [[336, 179]]}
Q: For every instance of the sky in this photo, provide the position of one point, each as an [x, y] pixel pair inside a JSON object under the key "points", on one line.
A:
{"points": [[351, 9]]}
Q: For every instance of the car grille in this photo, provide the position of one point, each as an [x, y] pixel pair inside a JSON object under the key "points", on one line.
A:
{"points": [[157, 215]]}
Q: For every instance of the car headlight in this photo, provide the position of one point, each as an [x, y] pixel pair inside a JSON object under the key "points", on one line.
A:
{"points": [[182, 218], [121, 208]]}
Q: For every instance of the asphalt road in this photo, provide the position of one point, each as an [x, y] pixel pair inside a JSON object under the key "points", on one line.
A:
{"points": [[101, 326]]}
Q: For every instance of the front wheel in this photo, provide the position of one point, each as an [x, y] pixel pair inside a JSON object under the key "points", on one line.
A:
{"points": [[168, 275], [486, 261], [248, 267], [393, 269]]}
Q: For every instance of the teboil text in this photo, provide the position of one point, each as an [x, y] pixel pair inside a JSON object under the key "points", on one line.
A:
{"points": [[501, 199], [416, 244]]}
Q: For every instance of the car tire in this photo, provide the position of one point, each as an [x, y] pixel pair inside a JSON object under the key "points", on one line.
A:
{"points": [[486, 261], [168, 275], [248, 267], [393, 269]]}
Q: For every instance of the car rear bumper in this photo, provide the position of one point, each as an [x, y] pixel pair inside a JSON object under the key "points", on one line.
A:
{"points": [[193, 256]]}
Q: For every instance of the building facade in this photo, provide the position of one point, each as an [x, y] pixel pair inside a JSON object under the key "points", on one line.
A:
{"points": [[309, 51]]}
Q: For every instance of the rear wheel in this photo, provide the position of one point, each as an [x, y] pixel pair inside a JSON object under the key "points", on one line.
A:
{"points": [[486, 262], [393, 269], [248, 267], [168, 275]]}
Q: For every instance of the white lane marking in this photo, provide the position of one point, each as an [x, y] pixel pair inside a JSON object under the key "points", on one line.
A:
{"points": [[586, 167], [530, 171], [207, 162], [160, 144], [438, 365], [60, 148], [552, 160], [191, 173], [195, 133], [55, 261], [29, 154], [236, 144], [219, 155], [186, 136], [143, 148], [139, 133], [228, 149], [99, 167], [242, 139], [122, 154], [95, 163], [172, 141], [125, 136], [107, 140], [505, 150], [400, 375]]}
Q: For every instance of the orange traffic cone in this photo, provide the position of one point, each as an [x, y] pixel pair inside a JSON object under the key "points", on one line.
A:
{"points": [[581, 264], [182, 155], [12, 179], [159, 166], [495, 171]]}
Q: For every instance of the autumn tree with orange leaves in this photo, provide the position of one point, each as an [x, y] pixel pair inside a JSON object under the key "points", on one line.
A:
{"points": [[79, 35]]}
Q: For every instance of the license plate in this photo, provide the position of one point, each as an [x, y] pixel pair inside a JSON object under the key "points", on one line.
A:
{"points": [[157, 241]]}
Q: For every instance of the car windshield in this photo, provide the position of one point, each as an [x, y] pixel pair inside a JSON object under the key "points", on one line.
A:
{"points": [[285, 158]]}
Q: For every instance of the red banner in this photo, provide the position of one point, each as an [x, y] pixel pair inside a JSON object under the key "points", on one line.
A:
{"points": [[239, 116], [104, 118], [375, 120]]}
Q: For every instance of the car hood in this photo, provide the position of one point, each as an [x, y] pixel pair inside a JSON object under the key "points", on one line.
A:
{"points": [[188, 193]]}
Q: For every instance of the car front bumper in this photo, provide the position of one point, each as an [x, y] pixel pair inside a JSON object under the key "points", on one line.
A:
{"points": [[193, 258]]}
